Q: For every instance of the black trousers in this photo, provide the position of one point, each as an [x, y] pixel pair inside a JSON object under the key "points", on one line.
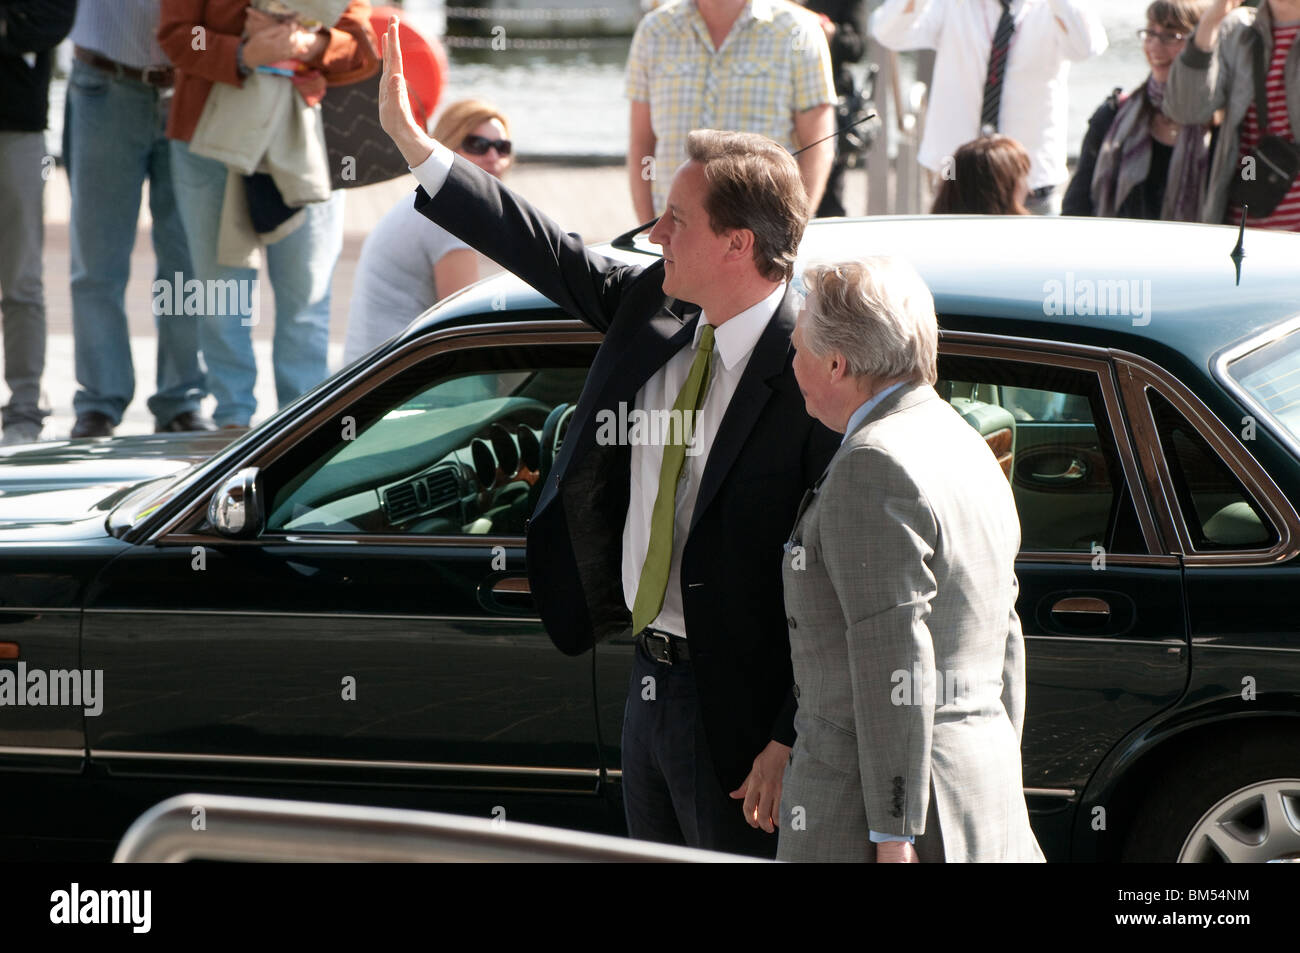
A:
{"points": [[671, 794]]}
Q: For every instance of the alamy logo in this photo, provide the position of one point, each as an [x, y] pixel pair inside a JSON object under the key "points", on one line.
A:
{"points": [[648, 428], [59, 687], [218, 297], [75, 905], [1086, 296]]}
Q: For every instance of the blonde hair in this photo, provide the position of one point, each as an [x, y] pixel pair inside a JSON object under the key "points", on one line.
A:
{"points": [[878, 313], [462, 117]]}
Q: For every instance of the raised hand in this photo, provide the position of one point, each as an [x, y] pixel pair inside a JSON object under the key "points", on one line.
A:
{"points": [[395, 115]]}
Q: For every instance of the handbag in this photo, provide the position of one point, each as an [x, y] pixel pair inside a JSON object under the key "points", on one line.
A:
{"points": [[1276, 160]]}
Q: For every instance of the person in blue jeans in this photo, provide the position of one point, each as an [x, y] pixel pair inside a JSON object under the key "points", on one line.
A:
{"points": [[29, 32], [300, 265], [119, 94]]}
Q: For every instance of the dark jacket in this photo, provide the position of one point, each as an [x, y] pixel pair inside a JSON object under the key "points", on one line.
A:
{"points": [[766, 454], [850, 39], [1143, 201], [29, 26]]}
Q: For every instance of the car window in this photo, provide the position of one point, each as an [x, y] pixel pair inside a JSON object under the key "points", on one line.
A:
{"points": [[1271, 375], [454, 446], [1047, 427], [1218, 511]]}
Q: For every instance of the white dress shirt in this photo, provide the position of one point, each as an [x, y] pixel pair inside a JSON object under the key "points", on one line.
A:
{"points": [[1049, 34], [733, 343]]}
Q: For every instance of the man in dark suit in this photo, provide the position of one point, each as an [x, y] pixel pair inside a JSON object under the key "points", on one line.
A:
{"points": [[679, 544]]}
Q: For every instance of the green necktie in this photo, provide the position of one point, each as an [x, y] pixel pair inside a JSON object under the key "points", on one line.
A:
{"points": [[659, 554]]}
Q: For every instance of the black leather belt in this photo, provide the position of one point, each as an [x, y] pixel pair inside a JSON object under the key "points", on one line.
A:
{"points": [[158, 76], [663, 647]]}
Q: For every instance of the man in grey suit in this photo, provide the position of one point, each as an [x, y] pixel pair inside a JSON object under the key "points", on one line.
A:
{"points": [[900, 586]]}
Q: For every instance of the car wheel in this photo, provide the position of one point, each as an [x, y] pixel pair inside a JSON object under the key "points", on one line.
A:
{"points": [[1233, 804]]}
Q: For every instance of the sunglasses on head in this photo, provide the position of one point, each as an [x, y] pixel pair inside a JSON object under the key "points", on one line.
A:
{"points": [[478, 146]]}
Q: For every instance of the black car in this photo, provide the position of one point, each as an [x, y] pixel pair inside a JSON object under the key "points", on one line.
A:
{"points": [[335, 606]]}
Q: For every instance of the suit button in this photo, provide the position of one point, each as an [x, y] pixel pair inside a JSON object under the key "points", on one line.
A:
{"points": [[896, 812], [790, 622], [796, 691]]}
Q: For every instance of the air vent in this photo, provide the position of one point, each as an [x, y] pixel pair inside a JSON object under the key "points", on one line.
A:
{"points": [[426, 494]]}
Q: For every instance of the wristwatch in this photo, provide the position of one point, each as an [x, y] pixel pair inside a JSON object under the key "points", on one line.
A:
{"points": [[239, 60]]}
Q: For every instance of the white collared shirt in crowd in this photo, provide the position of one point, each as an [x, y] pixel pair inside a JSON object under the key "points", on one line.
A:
{"points": [[1049, 35], [733, 344]]}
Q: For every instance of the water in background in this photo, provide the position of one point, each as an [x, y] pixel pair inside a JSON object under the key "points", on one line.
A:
{"points": [[565, 97]]}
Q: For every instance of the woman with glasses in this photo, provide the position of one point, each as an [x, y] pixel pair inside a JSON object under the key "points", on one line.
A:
{"points": [[407, 264], [1136, 162]]}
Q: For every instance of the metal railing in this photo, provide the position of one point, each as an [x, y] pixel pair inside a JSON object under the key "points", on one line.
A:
{"points": [[897, 185], [221, 828]]}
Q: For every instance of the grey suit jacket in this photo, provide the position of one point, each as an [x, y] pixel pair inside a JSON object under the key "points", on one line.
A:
{"points": [[908, 656]]}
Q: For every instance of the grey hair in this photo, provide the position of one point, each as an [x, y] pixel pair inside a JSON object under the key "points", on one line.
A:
{"points": [[878, 313]]}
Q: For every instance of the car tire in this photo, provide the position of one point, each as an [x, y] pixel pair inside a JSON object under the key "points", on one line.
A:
{"points": [[1235, 801]]}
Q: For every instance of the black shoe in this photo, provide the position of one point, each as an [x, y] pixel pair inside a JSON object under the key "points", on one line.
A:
{"points": [[92, 424], [189, 421]]}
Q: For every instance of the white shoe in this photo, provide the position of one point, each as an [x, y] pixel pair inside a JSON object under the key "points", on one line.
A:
{"points": [[23, 432]]}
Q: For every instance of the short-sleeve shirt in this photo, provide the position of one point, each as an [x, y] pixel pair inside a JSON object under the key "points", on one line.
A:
{"points": [[394, 282], [773, 64]]}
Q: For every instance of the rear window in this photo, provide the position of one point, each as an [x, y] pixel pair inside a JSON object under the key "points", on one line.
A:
{"points": [[1271, 375]]}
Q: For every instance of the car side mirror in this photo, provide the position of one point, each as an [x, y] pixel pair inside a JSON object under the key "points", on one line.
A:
{"points": [[236, 507]]}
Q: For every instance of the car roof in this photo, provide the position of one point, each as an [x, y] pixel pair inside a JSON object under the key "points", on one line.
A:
{"points": [[1012, 274]]}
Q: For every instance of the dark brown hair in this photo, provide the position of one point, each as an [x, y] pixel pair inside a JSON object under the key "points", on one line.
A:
{"points": [[1179, 15], [753, 184], [982, 178]]}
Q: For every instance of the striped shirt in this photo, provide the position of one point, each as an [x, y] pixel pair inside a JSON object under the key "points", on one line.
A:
{"points": [[773, 64], [1287, 215], [125, 31]]}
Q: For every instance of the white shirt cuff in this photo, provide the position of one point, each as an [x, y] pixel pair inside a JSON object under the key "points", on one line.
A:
{"points": [[433, 171]]}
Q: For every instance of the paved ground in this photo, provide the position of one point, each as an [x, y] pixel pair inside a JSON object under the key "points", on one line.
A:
{"points": [[590, 200]]}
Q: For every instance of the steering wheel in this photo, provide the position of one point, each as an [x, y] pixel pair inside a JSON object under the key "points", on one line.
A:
{"points": [[553, 432]]}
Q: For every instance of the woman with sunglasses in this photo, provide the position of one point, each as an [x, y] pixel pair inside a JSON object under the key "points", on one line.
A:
{"points": [[1136, 162], [408, 264]]}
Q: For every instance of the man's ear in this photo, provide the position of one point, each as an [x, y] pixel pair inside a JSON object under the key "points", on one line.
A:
{"points": [[740, 244]]}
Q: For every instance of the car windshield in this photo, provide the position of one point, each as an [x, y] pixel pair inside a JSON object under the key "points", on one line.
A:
{"points": [[1271, 376]]}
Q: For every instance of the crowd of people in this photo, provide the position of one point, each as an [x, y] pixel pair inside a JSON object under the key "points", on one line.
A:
{"points": [[161, 90]]}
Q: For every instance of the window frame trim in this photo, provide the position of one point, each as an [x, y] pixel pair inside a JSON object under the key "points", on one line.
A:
{"points": [[181, 529], [1084, 358], [1137, 375]]}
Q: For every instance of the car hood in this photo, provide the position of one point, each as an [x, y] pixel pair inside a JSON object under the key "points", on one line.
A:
{"points": [[66, 488]]}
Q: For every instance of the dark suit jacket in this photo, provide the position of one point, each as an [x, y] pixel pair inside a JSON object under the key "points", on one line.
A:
{"points": [[767, 452]]}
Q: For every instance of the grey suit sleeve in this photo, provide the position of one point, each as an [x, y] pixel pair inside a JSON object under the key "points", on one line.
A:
{"points": [[1198, 81], [1013, 667], [877, 539]]}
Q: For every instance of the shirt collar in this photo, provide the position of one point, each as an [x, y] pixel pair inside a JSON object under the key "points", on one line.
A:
{"points": [[736, 338], [755, 9], [860, 414]]}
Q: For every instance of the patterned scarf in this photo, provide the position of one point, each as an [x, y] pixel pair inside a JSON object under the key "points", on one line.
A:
{"points": [[1124, 159]]}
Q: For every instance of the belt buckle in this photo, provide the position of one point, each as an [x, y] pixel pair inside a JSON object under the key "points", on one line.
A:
{"points": [[668, 645], [147, 74]]}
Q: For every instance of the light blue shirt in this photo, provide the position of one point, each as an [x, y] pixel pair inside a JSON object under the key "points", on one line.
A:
{"points": [[860, 414], [855, 420], [123, 30]]}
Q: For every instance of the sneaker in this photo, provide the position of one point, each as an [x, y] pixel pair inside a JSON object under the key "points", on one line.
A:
{"points": [[22, 432]]}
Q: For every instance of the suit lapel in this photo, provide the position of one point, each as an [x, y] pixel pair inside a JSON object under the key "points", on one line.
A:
{"points": [[666, 333], [752, 393]]}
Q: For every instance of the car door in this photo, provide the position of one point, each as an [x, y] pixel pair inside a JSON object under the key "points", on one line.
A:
{"points": [[377, 632], [1101, 596]]}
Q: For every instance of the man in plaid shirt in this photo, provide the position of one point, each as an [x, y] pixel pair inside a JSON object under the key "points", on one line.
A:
{"points": [[741, 65]]}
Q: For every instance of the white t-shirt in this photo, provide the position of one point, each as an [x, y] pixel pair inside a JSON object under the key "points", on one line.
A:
{"points": [[394, 283]]}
